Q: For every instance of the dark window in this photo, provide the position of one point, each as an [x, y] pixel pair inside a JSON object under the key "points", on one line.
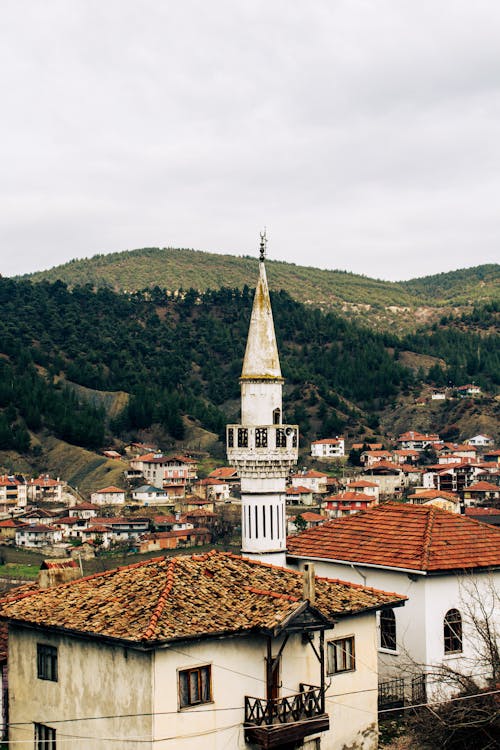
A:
{"points": [[264, 520], [341, 655], [294, 439], [195, 686], [452, 631], [230, 437], [46, 657], [242, 437], [277, 416], [45, 737], [388, 629], [280, 438], [261, 437]]}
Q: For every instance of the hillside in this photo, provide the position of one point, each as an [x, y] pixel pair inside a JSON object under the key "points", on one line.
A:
{"points": [[89, 367], [380, 304]]}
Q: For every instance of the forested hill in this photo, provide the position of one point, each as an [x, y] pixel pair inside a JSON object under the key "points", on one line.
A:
{"points": [[382, 303], [181, 356]]}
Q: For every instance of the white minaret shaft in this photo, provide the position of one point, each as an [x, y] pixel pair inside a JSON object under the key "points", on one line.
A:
{"points": [[262, 448]]}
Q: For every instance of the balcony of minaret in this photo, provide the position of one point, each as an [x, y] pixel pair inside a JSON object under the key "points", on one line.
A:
{"points": [[274, 446]]}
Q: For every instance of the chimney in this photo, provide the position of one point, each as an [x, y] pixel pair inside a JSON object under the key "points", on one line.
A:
{"points": [[309, 589]]}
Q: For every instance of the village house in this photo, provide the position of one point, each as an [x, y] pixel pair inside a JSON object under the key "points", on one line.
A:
{"points": [[195, 503], [444, 562], [39, 515], [346, 503], [228, 473], [148, 495], [389, 477], [313, 480], [108, 496], [13, 492], [212, 489], [480, 441], [368, 446], [465, 391], [492, 456], [364, 487], [369, 458], [328, 448], [444, 500], [175, 539], [8, 528], [454, 478], [37, 535], [218, 650], [83, 511], [299, 495], [481, 493], [418, 441], [456, 452], [45, 489], [405, 456]]}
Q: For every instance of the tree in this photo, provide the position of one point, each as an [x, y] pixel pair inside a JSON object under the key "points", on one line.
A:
{"points": [[300, 523]]}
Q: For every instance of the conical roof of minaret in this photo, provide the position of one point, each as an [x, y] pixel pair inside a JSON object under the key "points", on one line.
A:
{"points": [[261, 355]]}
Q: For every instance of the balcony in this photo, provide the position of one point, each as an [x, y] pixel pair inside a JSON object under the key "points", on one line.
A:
{"points": [[281, 721]]}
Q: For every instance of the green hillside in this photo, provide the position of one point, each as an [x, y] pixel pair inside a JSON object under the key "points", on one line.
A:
{"points": [[349, 293]]}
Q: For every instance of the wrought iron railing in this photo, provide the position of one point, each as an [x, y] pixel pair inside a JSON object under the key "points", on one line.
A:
{"points": [[306, 704], [402, 692]]}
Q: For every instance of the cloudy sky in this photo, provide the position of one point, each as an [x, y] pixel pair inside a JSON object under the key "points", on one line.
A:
{"points": [[364, 134]]}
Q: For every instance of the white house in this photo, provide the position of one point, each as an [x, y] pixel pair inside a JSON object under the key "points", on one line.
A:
{"points": [[418, 441], [363, 486], [480, 441], [83, 511], [13, 492], [150, 495], [108, 496], [45, 488], [311, 479], [218, 650], [328, 448], [443, 562], [37, 535]]}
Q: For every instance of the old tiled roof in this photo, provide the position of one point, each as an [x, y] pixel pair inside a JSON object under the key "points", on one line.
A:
{"points": [[433, 495], [483, 487], [109, 490], [167, 599], [415, 537]]}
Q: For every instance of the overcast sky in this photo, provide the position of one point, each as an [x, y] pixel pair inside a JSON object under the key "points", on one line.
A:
{"points": [[365, 134]]}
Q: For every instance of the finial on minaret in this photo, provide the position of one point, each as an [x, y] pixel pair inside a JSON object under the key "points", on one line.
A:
{"points": [[263, 244]]}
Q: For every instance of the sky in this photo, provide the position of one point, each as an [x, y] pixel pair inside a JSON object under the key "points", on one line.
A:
{"points": [[363, 134]]}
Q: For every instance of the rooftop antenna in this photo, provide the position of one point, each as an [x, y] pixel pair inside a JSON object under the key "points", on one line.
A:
{"points": [[263, 245]]}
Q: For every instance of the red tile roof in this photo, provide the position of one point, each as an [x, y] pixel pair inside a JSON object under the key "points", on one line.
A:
{"points": [[416, 537], [434, 494], [109, 490], [168, 599], [483, 487], [224, 472]]}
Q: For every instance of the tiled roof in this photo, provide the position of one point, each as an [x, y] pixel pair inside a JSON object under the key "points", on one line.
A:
{"points": [[327, 441], [86, 506], [351, 496], [483, 487], [109, 490], [168, 599], [362, 483], [434, 494], [416, 537], [227, 472], [311, 473]]}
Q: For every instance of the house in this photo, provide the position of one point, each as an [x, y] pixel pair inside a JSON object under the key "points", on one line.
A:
{"points": [[481, 493], [455, 477], [457, 451], [346, 503], [194, 503], [442, 561], [418, 441], [389, 477], [13, 492], [492, 456], [369, 458], [212, 488], [83, 511], [112, 454], [444, 500], [313, 480], [328, 448], [370, 446], [108, 496], [44, 488], [480, 441], [37, 535], [364, 487], [175, 539], [147, 494], [405, 456], [38, 515], [215, 649], [228, 473], [299, 495], [438, 396], [309, 518], [165, 471], [8, 529]]}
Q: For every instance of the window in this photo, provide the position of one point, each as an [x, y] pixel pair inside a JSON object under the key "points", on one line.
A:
{"points": [[46, 658], [280, 438], [45, 737], [195, 686], [341, 655], [388, 629], [230, 437], [277, 416], [242, 437], [452, 631], [261, 437]]}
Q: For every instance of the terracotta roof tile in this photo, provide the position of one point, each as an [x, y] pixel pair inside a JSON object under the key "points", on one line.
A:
{"points": [[416, 537], [167, 599]]}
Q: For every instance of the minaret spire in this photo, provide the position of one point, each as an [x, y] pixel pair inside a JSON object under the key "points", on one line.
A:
{"points": [[262, 448]]}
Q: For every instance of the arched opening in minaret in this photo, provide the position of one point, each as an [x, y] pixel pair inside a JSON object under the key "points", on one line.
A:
{"points": [[277, 416]]}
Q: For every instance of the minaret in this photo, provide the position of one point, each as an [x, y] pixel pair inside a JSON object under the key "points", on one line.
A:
{"points": [[262, 448]]}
